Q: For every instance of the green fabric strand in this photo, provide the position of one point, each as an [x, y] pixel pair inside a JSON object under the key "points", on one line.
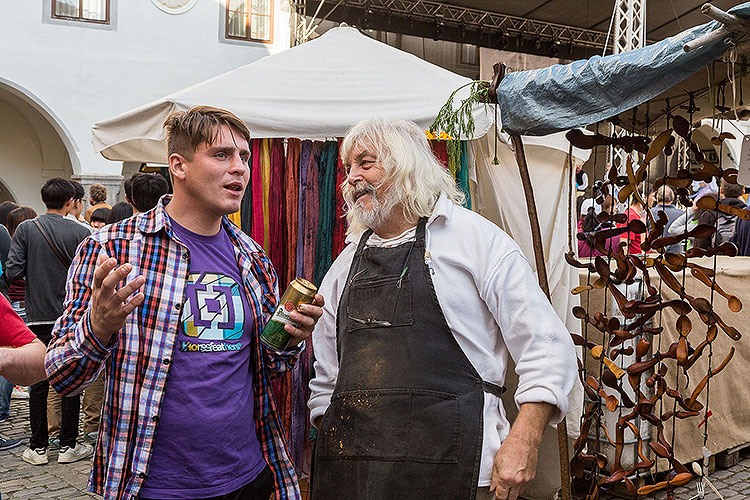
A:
{"points": [[327, 210]]}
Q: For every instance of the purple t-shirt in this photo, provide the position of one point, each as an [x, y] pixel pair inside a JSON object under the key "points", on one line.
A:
{"points": [[206, 443]]}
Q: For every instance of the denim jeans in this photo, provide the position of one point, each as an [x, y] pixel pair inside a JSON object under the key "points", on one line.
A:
{"points": [[6, 389]]}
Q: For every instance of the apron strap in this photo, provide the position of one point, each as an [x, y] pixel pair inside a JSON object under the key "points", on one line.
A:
{"points": [[421, 225], [494, 389], [363, 241]]}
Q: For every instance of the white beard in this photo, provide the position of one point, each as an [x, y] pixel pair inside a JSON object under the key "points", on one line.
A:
{"points": [[379, 212]]}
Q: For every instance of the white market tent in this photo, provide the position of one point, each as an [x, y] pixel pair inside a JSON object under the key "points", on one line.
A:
{"points": [[315, 90], [321, 88]]}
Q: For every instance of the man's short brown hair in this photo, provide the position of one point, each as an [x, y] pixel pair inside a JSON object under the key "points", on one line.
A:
{"points": [[186, 130], [731, 190]]}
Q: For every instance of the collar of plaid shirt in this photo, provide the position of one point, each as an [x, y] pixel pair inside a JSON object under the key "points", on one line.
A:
{"points": [[136, 364]]}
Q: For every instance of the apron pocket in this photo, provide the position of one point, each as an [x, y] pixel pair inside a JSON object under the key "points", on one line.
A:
{"points": [[392, 425], [380, 303]]}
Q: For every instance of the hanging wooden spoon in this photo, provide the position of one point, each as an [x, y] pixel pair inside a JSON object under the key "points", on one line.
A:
{"points": [[700, 231], [711, 203], [716, 141], [681, 126], [597, 352], [610, 400], [699, 388], [734, 303], [726, 248], [710, 337], [657, 145], [677, 262]]}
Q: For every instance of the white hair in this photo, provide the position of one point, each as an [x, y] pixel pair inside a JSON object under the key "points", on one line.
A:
{"points": [[411, 170]]}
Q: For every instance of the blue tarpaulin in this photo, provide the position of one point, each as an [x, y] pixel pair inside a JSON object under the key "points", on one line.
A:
{"points": [[562, 97]]}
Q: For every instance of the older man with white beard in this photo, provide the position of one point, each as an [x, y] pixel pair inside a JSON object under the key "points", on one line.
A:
{"points": [[425, 305]]}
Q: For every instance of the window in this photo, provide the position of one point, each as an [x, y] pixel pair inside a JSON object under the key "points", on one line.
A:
{"points": [[250, 20], [469, 54], [93, 11]]}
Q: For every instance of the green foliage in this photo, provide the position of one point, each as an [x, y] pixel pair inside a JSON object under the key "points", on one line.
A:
{"points": [[458, 123]]}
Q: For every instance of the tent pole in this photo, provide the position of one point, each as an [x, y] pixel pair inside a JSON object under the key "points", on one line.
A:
{"points": [[541, 269]]}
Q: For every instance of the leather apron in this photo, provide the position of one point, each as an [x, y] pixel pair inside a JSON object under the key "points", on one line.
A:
{"points": [[405, 419]]}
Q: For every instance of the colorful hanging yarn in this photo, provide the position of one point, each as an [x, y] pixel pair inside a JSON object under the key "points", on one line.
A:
{"points": [[326, 210]]}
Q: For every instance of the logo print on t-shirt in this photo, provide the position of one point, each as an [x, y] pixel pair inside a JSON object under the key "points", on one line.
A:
{"points": [[213, 307]]}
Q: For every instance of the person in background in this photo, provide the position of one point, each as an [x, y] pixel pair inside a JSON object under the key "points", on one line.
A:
{"points": [[741, 238], [17, 288], [647, 192], [21, 355], [41, 252], [16, 296], [97, 198], [582, 179], [633, 212], [99, 218], [588, 224], [147, 190], [6, 207], [664, 201], [7, 389], [77, 207], [725, 223], [120, 211], [127, 186]]}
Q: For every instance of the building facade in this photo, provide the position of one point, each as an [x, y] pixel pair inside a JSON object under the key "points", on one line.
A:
{"points": [[67, 64]]}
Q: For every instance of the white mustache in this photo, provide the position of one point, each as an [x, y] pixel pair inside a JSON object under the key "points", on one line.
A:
{"points": [[362, 189]]}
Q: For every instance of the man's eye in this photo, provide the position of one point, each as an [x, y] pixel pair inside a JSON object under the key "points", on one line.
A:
{"points": [[221, 155]]}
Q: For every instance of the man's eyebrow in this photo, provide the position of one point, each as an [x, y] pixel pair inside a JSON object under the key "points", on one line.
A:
{"points": [[362, 154], [227, 149]]}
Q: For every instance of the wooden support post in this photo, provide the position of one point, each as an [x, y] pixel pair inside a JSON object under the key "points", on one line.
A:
{"points": [[541, 269]]}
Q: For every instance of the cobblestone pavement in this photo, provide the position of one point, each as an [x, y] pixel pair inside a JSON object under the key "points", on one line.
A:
{"points": [[19, 480]]}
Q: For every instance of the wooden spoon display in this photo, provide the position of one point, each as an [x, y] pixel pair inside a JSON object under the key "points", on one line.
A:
{"points": [[734, 303]]}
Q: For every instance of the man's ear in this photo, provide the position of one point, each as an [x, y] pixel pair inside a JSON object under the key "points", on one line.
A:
{"points": [[177, 166], [68, 207]]}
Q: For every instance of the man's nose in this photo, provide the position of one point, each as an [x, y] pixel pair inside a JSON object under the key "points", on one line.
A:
{"points": [[238, 164]]}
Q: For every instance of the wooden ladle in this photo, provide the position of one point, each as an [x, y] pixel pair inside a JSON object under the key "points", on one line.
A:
{"points": [[734, 303], [700, 231], [711, 203], [726, 248]]}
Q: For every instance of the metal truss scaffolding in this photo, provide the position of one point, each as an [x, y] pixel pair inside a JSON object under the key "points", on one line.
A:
{"points": [[471, 19]]}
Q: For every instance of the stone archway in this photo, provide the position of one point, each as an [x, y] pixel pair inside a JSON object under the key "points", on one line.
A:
{"points": [[34, 146]]}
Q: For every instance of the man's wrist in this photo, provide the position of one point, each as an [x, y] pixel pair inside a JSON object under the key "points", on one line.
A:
{"points": [[103, 338]]}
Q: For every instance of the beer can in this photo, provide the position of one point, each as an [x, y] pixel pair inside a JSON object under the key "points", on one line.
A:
{"points": [[299, 291]]}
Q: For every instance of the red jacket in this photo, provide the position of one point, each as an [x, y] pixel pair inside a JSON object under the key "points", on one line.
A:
{"points": [[13, 331]]}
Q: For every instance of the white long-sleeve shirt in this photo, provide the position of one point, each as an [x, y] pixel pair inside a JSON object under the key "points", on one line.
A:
{"points": [[492, 304]]}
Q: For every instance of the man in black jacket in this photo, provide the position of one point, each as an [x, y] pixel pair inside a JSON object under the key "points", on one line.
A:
{"points": [[41, 251]]}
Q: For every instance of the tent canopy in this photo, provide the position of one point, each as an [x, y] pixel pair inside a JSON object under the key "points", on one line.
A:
{"points": [[561, 97], [315, 90]]}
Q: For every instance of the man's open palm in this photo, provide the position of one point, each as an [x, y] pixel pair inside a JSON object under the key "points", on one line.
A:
{"points": [[110, 305]]}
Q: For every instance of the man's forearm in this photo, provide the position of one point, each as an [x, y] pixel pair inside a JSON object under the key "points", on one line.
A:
{"points": [[531, 421], [23, 365]]}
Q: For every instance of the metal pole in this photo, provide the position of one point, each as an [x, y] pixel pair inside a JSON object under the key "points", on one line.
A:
{"points": [[541, 270]]}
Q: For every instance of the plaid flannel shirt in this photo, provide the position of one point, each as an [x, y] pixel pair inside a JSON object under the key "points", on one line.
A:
{"points": [[136, 363]]}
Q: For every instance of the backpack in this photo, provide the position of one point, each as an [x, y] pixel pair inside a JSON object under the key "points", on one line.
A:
{"points": [[725, 228]]}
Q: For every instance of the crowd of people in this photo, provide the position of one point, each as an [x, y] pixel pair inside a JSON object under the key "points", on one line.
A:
{"points": [[729, 227], [36, 251]]}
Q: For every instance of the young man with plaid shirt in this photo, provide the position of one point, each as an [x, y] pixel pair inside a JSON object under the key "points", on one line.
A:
{"points": [[169, 304]]}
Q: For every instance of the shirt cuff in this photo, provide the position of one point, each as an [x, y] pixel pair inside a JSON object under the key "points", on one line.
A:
{"points": [[87, 343], [544, 395]]}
